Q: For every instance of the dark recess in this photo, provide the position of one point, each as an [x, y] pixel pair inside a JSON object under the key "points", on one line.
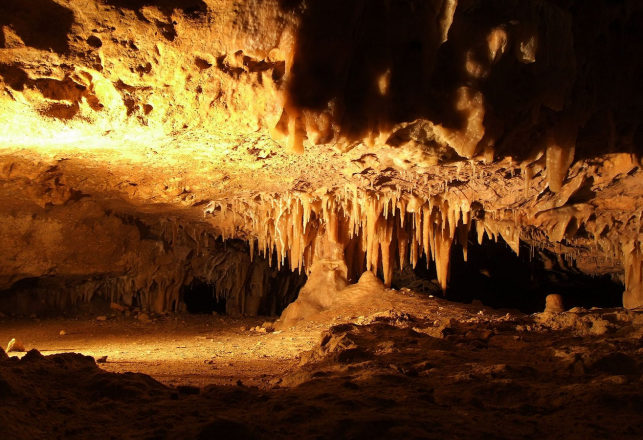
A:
{"points": [[343, 47], [41, 24], [193, 8], [500, 279], [281, 289], [200, 297]]}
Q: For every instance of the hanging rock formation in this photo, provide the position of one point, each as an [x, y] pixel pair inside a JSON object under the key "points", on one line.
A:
{"points": [[333, 137]]}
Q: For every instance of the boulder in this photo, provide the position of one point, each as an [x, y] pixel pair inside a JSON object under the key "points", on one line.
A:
{"points": [[15, 346]]}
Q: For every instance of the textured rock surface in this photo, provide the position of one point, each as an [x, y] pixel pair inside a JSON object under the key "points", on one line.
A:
{"points": [[427, 369], [15, 345], [411, 123], [554, 304]]}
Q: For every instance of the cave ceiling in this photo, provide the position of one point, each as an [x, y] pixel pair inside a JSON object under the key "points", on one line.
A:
{"points": [[133, 133]]}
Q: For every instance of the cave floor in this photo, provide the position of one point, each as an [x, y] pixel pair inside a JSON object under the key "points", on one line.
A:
{"points": [[402, 365], [200, 349], [175, 349]]}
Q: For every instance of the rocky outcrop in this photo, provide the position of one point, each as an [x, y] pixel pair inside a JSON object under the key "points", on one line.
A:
{"points": [[411, 123]]}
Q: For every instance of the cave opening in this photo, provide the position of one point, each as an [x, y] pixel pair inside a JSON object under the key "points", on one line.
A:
{"points": [[495, 276], [492, 274], [254, 288], [201, 297]]}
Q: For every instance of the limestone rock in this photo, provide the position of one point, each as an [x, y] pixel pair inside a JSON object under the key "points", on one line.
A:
{"points": [[15, 346], [144, 317], [470, 114], [554, 304], [117, 307]]}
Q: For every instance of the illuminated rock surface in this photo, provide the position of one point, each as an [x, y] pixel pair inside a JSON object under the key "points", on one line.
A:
{"points": [[340, 164], [135, 135]]}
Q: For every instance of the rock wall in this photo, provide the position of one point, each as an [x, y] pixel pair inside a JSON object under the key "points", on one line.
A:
{"points": [[410, 122], [80, 252]]}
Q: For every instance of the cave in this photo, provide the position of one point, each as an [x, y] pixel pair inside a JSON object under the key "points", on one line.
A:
{"points": [[498, 277], [200, 297], [324, 219]]}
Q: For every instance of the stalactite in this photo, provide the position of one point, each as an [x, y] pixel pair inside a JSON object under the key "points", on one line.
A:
{"points": [[380, 230], [561, 142], [371, 227]]}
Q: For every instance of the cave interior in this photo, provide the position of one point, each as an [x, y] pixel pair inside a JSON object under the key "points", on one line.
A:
{"points": [[245, 219]]}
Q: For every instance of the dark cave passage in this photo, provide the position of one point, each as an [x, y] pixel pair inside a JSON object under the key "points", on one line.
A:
{"points": [[493, 274], [201, 297], [496, 276], [268, 292]]}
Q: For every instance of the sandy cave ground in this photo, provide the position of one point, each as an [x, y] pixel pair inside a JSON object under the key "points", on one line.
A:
{"points": [[428, 369]]}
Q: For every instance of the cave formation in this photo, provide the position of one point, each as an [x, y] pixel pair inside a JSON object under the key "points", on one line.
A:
{"points": [[356, 168]]}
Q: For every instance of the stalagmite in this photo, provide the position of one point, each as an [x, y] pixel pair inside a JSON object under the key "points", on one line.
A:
{"points": [[633, 264], [368, 228], [554, 304]]}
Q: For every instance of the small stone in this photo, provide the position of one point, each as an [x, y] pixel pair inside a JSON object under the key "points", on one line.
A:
{"points": [[101, 360], [63, 333], [101, 318], [128, 313], [244, 328], [554, 304], [117, 307], [143, 317], [32, 316], [16, 346], [616, 380]]}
